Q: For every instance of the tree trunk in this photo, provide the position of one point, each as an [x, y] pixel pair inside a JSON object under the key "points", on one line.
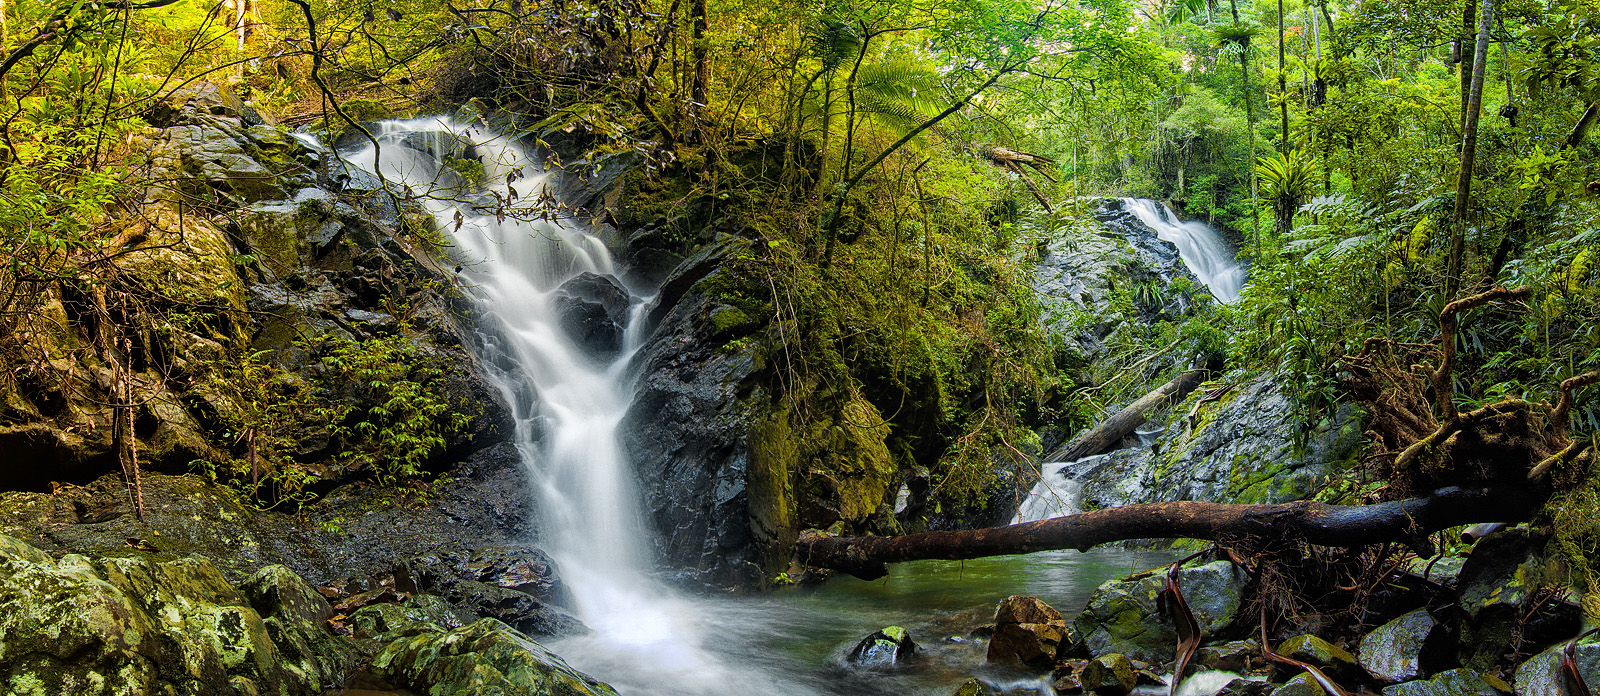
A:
{"points": [[1110, 430], [1469, 147], [1409, 521]]}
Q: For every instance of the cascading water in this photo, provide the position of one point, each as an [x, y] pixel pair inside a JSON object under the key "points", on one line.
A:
{"points": [[568, 402], [1208, 256], [1202, 249]]}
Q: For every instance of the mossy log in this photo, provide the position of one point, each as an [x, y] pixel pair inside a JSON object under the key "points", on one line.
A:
{"points": [[1407, 521]]}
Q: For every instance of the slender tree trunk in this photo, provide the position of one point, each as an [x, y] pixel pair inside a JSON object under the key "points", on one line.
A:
{"points": [[1250, 126], [1467, 57], [702, 61], [1469, 146], [1283, 85]]}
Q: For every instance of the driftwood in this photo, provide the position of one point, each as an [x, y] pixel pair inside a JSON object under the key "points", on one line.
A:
{"points": [[1102, 436], [1409, 521]]}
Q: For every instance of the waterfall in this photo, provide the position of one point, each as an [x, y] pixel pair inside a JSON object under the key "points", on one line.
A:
{"points": [[1055, 495], [1202, 249], [567, 401]]}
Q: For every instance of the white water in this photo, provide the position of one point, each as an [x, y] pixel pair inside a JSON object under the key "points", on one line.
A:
{"points": [[567, 427], [1202, 249], [568, 404], [1055, 495]]}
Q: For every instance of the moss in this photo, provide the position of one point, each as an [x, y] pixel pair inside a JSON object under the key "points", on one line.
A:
{"points": [[769, 478]]}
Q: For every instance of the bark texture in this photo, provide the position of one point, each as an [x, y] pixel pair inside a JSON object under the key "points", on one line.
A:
{"points": [[1409, 521], [1101, 437]]}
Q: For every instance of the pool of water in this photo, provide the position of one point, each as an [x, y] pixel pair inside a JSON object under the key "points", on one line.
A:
{"points": [[793, 641]]}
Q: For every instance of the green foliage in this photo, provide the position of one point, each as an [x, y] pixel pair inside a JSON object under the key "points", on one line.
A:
{"points": [[272, 408], [394, 415]]}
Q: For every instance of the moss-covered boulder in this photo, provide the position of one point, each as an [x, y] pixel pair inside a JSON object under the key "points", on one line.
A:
{"points": [[134, 626], [1456, 682], [1122, 616], [1333, 660], [1542, 674], [1406, 648], [486, 657]]}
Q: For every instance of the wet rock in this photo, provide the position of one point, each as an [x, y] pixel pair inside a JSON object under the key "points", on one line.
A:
{"points": [[1542, 674], [1122, 615], [1333, 660], [593, 310], [378, 620], [1495, 588], [1300, 685], [1108, 675], [1026, 631], [1456, 682], [973, 687], [484, 657], [1245, 687], [515, 586], [129, 625], [1234, 451], [1235, 656], [1406, 648], [689, 432], [889, 646], [356, 531]]}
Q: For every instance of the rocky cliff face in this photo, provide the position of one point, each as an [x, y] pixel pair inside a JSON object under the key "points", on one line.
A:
{"points": [[1240, 443], [245, 244], [1238, 448]]}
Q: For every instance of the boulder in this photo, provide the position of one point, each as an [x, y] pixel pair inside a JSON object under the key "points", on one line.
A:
{"points": [[1496, 589], [1234, 656], [130, 625], [1244, 687], [1122, 616], [973, 687], [1301, 685], [883, 648], [1456, 682], [1542, 674], [593, 310], [454, 577], [1108, 675], [1027, 631], [486, 657], [1334, 661], [715, 478], [1406, 648]]}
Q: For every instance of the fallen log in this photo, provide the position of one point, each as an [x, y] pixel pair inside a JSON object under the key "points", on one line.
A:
{"points": [[1109, 431], [1408, 521]]}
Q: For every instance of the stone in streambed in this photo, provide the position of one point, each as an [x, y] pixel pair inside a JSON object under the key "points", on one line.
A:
{"points": [[1334, 661], [1542, 674], [1406, 648], [1301, 685], [487, 657], [1026, 631], [1244, 687], [1234, 656], [889, 646], [1108, 675], [130, 625], [1456, 682], [1122, 616]]}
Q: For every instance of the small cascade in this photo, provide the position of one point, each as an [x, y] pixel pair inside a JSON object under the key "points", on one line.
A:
{"points": [[1057, 492], [1202, 249]]}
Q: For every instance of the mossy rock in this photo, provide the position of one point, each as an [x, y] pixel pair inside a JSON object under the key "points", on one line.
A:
{"points": [[118, 626], [486, 657]]}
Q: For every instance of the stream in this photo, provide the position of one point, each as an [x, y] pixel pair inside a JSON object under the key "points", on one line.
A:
{"points": [[568, 400]]}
